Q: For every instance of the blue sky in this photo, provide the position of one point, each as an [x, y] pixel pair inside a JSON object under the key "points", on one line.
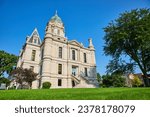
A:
{"points": [[83, 19]]}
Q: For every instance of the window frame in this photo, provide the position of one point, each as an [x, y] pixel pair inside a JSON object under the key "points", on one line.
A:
{"points": [[73, 55], [59, 82], [60, 52], [33, 55], [85, 57], [35, 41], [59, 68], [85, 72]]}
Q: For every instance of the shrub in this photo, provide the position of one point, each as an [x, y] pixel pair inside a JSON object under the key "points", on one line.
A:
{"points": [[46, 85], [136, 82]]}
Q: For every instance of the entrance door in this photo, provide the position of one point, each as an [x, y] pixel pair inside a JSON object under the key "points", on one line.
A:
{"points": [[73, 83]]}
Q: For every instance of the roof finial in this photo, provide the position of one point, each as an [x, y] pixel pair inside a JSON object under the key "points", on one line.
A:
{"points": [[56, 12], [90, 43]]}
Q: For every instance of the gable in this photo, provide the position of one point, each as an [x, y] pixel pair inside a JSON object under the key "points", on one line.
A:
{"points": [[75, 43], [34, 38]]}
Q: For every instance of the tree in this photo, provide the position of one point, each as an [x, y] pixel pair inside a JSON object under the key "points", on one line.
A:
{"points": [[129, 37], [107, 80], [5, 80], [118, 81], [29, 76], [18, 74], [114, 80], [98, 77], [7, 62], [136, 81], [24, 75]]}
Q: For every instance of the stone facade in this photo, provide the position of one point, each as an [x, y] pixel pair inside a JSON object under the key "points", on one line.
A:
{"points": [[63, 63]]}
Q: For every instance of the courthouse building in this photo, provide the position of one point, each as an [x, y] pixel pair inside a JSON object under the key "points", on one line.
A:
{"points": [[62, 62]]}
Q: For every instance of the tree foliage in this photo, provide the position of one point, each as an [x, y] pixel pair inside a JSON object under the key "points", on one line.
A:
{"points": [[98, 77], [29, 76], [129, 36], [7, 62], [18, 74], [136, 81], [5, 80], [24, 75], [113, 81]]}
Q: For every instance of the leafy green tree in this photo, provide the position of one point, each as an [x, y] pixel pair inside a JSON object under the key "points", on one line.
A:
{"points": [[98, 77], [107, 80], [129, 36], [113, 81], [5, 80], [7, 62], [118, 81]]}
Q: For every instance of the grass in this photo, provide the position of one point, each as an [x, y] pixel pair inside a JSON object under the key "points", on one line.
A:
{"points": [[77, 94]]}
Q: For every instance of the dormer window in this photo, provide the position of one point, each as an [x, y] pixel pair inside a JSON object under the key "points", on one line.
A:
{"points": [[35, 41]]}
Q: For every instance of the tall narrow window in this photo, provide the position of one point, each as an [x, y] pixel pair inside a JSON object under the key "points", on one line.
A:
{"points": [[59, 68], [42, 53], [85, 58], [60, 52], [73, 55], [41, 68], [35, 41], [33, 55], [85, 70], [59, 82]]}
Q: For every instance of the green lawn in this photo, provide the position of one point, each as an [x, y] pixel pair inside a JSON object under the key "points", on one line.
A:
{"points": [[77, 94]]}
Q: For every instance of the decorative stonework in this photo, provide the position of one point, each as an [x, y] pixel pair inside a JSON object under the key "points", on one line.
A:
{"points": [[48, 65]]}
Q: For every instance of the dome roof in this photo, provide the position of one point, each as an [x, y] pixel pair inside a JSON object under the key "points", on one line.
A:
{"points": [[56, 18]]}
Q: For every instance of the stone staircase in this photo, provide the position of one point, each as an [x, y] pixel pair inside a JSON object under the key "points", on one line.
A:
{"points": [[83, 82]]}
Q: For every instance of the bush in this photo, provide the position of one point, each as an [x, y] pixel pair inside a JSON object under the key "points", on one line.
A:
{"points": [[46, 85]]}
